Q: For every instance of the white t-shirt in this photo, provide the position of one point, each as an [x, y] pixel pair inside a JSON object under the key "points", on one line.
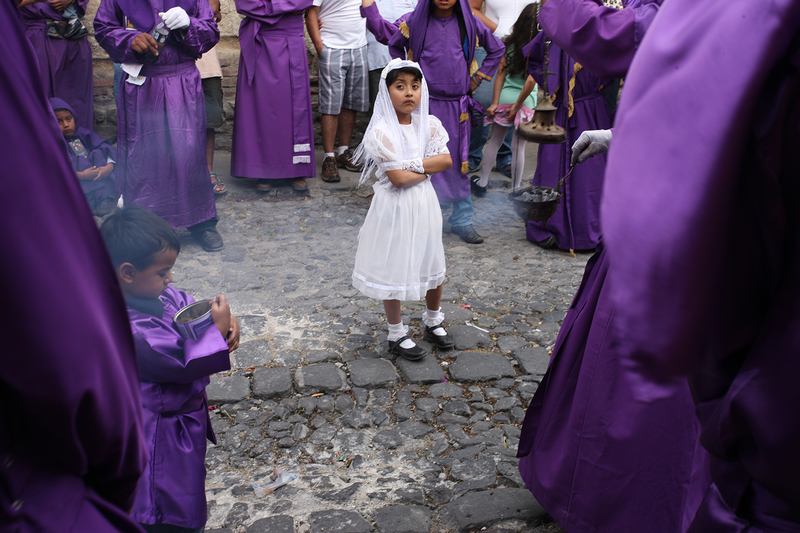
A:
{"points": [[504, 13], [342, 23], [391, 10]]}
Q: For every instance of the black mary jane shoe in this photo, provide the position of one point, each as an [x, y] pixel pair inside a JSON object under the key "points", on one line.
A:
{"points": [[477, 190], [415, 353], [549, 242], [440, 341]]}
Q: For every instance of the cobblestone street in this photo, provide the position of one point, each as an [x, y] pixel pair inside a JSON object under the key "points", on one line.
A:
{"points": [[377, 443]]}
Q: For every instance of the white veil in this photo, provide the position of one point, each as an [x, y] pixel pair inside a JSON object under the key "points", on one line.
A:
{"points": [[385, 117]]}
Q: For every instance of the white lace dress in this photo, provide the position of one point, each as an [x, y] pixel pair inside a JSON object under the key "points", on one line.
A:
{"points": [[400, 254]]}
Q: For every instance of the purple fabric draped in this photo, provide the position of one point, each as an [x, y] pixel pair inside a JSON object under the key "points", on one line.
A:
{"points": [[446, 66], [161, 125], [65, 67], [174, 374], [576, 223], [273, 60], [701, 220], [100, 151], [70, 428]]}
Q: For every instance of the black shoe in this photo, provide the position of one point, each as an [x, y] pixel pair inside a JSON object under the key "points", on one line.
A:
{"points": [[414, 353], [506, 170], [549, 242], [210, 240], [467, 233], [440, 341], [477, 190]]}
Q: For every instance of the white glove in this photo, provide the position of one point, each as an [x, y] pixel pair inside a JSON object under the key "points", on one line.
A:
{"points": [[414, 165], [590, 144], [176, 18]]}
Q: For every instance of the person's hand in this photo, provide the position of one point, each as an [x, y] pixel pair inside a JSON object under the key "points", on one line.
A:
{"points": [[221, 314], [89, 174], [144, 44], [512, 112], [590, 144], [490, 110], [319, 47], [215, 8], [176, 18], [473, 85], [233, 334], [59, 5], [104, 171]]}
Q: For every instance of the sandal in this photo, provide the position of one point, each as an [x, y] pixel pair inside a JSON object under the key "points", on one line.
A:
{"points": [[217, 185], [263, 185]]}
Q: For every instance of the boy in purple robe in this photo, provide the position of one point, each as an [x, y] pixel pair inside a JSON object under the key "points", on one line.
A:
{"points": [[93, 159], [273, 62], [71, 445], [701, 215], [161, 117], [173, 371], [441, 35], [65, 64]]}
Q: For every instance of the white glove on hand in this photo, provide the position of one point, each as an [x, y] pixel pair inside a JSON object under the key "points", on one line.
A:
{"points": [[590, 144], [414, 165], [176, 18]]}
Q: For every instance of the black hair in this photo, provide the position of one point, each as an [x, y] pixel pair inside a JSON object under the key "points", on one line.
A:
{"points": [[393, 74], [523, 32], [135, 235]]}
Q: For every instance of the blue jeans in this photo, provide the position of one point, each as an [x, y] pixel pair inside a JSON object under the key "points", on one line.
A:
{"points": [[117, 76], [480, 134], [462, 212]]}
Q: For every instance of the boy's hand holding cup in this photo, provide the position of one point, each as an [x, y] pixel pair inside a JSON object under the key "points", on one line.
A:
{"points": [[221, 314]]}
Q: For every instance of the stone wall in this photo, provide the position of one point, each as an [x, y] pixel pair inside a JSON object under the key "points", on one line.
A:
{"points": [[105, 110]]}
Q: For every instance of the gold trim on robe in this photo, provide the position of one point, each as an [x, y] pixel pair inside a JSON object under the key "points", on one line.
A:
{"points": [[404, 30]]}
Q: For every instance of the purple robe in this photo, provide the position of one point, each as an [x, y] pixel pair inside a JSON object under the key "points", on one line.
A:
{"points": [[446, 66], [174, 373], [702, 222], [273, 62], [576, 223], [71, 445], [100, 152], [161, 124], [65, 66]]}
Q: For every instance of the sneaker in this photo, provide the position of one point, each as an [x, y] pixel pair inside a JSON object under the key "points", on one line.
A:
{"points": [[440, 341], [330, 172], [467, 233], [477, 190], [415, 353], [345, 161], [210, 240], [299, 185]]}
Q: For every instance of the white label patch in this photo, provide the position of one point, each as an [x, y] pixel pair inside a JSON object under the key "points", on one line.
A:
{"points": [[298, 159], [302, 148]]}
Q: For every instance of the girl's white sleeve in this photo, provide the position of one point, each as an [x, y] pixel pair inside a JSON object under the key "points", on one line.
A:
{"points": [[379, 147], [437, 144]]}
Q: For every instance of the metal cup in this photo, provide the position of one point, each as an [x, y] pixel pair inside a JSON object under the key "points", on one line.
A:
{"points": [[194, 319]]}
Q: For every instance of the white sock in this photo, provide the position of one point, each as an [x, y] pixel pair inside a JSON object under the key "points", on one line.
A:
{"points": [[330, 154], [434, 318], [396, 331], [341, 150]]}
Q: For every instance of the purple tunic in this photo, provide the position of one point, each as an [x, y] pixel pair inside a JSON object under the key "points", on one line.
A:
{"points": [[274, 62], [71, 445], [65, 67], [446, 66], [161, 124], [174, 373], [576, 223], [702, 219]]}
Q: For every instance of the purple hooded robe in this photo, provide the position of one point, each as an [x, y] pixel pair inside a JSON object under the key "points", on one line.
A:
{"points": [[274, 62], [174, 373], [596, 458], [702, 223], [447, 63], [71, 445], [65, 66], [161, 124], [100, 152]]}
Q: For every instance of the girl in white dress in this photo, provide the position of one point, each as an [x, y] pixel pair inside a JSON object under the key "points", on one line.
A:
{"points": [[400, 254]]}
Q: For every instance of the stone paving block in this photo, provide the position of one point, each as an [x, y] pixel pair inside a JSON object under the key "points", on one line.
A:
{"points": [[455, 314], [356, 419], [228, 389], [506, 404], [412, 496], [445, 390], [340, 496], [252, 325], [511, 344], [321, 356], [403, 519], [388, 439], [372, 373], [482, 509], [351, 443], [478, 366], [473, 470], [290, 358], [272, 382], [252, 353], [423, 372], [469, 338], [414, 429], [273, 524], [324, 377], [323, 435], [339, 521], [533, 360]]}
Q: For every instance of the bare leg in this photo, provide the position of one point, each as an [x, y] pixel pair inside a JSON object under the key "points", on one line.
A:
{"points": [[517, 160], [329, 126], [211, 136], [347, 121], [392, 308], [490, 154], [433, 298]]}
